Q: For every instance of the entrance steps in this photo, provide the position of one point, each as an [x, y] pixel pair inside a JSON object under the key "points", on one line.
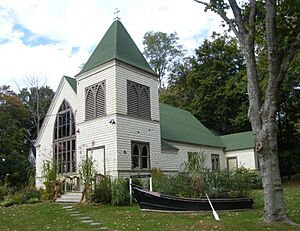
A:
{"points": [[69, 197]]}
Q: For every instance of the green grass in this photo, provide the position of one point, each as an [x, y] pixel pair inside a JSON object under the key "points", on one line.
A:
{"points": [[53, 217]]}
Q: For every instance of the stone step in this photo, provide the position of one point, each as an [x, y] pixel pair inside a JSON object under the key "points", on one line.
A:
{"points": [[69, 197]]}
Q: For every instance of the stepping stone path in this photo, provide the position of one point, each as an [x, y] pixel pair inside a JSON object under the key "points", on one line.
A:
{"points": [[84, 219]]}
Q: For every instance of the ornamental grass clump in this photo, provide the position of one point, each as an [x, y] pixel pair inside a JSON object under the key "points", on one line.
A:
{"points": [[120, 192], [52, 184], [87, 174]]}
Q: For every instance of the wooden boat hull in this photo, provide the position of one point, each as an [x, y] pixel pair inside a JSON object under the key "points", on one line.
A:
{"points": [[154, 201]]}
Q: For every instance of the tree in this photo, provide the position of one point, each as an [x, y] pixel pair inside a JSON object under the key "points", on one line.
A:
{"points": [[162, 51], [14, 147], [37, 99], [212, 85], [278, 24]]}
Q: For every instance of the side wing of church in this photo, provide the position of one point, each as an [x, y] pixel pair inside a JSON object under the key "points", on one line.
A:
{"points": [[111, 111]]}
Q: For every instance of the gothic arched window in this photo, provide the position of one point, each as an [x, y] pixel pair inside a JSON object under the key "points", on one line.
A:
{"points": [[64, 139]]}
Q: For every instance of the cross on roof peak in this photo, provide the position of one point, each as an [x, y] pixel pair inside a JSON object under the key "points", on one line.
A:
{"points": [[116, 13]]}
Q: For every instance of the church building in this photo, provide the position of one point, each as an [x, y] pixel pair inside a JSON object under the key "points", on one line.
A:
{"points": [[110, 111]]}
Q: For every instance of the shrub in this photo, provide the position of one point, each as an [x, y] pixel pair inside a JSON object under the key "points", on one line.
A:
{"points": [[103, 192], [3, 192], [120, 192], [11, 200], [31, 192], [33, 200], [8, 201]]}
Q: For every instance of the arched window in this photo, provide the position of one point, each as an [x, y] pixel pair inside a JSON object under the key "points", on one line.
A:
{"points": [[140, 155], [64, 139]]}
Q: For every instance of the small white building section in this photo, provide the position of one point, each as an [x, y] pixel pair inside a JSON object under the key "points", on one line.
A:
{"points": [[44, 142]]}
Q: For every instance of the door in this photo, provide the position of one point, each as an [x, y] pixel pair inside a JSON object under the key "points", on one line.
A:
{"points": [[98, 156]]}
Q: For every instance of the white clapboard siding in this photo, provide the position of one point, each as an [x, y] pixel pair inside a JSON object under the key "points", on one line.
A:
{"points": [[185, 148], [45, 139], [124, 73], [99, 131], [245, 158]]}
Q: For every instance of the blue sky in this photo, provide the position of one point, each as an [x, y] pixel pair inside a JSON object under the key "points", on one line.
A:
{"points": [[52, 38]]}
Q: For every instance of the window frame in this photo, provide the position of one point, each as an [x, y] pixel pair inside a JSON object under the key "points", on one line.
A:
{"points": [[64, 143], [215, 166], [140, 157]]}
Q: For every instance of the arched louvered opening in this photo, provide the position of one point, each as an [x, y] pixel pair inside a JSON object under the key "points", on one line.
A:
{"points": [[95, 101], [138, 100], [133, 99], [64, 139], [144, 103], [90, 104], [100, 100]]}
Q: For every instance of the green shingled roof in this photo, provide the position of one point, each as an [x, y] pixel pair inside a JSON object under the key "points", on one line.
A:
{"points": [[181, 126], [167, 146], [72, 82], [238, 141], [117, 44]]}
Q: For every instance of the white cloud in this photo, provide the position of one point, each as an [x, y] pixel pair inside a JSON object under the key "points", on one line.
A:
{"points": [[82, 24]]}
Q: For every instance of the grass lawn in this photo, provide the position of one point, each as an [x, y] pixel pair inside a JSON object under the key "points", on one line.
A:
{"points": [[53, 217]]}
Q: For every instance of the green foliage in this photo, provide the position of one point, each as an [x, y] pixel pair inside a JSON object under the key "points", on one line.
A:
{"points": [[103, 191], [87, 175], [3, 192], [177, 185], [212, 85], [14, 146], [24, 196], [120, 192], [162, 51], [52, 184], [36, 100]]}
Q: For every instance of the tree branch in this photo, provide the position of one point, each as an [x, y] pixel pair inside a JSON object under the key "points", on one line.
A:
{"points": [[223, 15], [251, 20], [273, 60], [238, 16]]}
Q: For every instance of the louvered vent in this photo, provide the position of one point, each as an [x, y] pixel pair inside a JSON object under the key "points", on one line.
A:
{"points": [[89, 106], [144, 102], [132, 98], [95, 101], [100, 100], [138, 100]]}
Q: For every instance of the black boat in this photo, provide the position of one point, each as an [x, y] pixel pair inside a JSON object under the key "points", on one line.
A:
{"points": [[148, 200]]}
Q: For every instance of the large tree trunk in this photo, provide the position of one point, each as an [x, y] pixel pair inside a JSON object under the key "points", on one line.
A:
{"points": [[267, 150]]}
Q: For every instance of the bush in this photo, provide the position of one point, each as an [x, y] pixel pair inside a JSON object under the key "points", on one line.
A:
{"points": [[120, 192], [33, 200], [3, 192], [8, 201], [30, 192], [178, 185], [103, 192], [224, 183]]}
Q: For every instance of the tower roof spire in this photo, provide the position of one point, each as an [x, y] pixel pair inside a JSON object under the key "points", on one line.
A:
{"points": [[117, 44]]}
